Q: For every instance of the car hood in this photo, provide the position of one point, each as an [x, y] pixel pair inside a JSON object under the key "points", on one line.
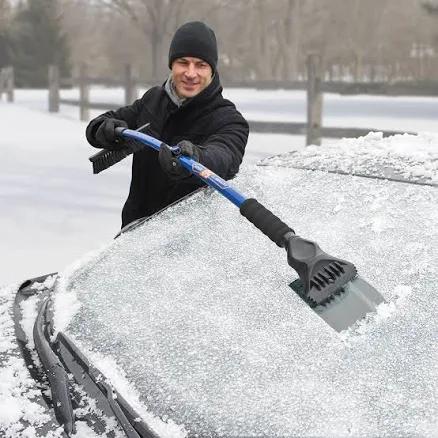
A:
{"points": [[195, 308]]}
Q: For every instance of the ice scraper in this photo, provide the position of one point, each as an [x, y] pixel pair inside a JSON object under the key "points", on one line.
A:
{"points": [[329, 285]]}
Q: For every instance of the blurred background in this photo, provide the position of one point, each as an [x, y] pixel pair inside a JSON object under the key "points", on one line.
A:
{"points": [[259, 40]]}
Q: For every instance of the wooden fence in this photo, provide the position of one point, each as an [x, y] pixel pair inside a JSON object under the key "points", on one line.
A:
{"points": [[7, 83], [312, 129], [315, 86], [399, 88], [83, 82]]}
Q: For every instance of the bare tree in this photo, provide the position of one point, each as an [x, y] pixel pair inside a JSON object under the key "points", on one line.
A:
{"points": [[262, 39], [431, 7], [154, 18], [5, 47], [5, 13], [289, 38]]}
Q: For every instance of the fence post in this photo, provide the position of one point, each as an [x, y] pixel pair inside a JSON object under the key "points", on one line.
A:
{"points": [[84, 94], [53, 89], [130, 85], [2, 82], [10, 83], [314, 100]]}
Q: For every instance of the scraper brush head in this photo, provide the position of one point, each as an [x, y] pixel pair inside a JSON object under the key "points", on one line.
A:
{"points": [[107, 158]]}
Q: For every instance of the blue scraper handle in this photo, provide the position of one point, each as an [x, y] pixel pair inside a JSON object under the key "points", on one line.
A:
{"points": [[206, 175]]}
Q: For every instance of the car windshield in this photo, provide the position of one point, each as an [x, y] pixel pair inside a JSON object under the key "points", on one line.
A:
{"points": [[194, 306]]}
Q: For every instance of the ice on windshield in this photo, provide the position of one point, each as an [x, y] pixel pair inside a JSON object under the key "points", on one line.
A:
{"points": [[195, 307], [402, 157]]}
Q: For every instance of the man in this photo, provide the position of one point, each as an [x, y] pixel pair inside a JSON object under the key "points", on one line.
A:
{"points": [[188, 111]]}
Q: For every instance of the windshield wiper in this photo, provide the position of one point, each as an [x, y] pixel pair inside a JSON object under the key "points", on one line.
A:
{"points": [[97, 386], [56, 374], [61, 357]]}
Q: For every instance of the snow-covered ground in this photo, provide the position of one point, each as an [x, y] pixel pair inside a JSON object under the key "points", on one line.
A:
{"points": [[402, 113], [53, 210]]}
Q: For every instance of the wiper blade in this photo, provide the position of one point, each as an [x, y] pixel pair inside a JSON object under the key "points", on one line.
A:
{"points": [[61, 357], [56, 374], [108, 390], [97, 385]]}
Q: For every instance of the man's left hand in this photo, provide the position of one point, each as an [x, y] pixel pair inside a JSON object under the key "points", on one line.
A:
{"points": [[169, 162]]}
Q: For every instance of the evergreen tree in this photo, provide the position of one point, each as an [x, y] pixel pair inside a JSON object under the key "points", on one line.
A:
{"points": [[5, 43], [38, 41], [5, 48], [431, 7]]}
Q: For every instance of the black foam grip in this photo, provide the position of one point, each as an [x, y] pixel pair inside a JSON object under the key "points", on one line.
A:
{"points": [[265, 220]]}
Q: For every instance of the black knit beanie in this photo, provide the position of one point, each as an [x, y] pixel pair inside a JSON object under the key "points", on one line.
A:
{"points": [[194, 39]]}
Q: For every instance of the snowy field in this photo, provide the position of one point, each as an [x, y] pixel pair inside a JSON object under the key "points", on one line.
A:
{"points": [[53, 210]]}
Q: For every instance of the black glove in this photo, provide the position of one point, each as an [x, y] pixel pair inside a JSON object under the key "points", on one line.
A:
{"points": [[106, 135], [169, 162]]}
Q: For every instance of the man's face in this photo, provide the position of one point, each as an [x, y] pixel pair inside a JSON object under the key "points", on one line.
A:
{"points": [[190, 76]]}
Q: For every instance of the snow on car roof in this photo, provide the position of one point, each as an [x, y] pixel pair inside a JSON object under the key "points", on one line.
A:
{"points": [[195, 307], [410, 158]]}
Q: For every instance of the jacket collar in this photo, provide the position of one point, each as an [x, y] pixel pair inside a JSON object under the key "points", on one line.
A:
{"points": [[169, 87], [206, 95]]}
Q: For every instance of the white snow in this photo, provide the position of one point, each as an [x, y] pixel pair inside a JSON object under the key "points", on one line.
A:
{"points": [[406, 157], [117, 377], [17, 388], [29, 311], [53, 211], [68, 304]]}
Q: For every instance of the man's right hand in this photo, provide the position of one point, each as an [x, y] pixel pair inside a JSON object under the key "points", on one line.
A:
{"points": [[106, 134]]}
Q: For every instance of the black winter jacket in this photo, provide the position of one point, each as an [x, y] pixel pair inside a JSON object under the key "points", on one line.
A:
{"points": [[207, 120]]}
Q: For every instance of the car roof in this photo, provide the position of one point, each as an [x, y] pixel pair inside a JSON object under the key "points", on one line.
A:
{"points": [[403, 158], [211, 336]]}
